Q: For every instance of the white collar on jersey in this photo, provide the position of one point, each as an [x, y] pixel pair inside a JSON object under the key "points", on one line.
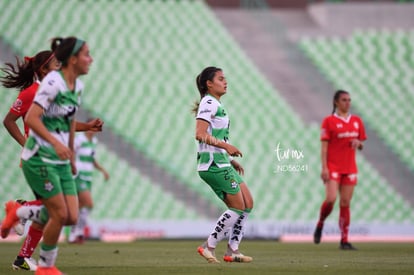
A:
{"points": [[345, 119]]}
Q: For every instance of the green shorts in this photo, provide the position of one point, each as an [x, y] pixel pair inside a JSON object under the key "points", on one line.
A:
{"points": [[83, 185], [48, 180], [223, 181]]}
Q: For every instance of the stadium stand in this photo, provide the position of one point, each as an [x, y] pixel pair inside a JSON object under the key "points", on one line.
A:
{"points": [[142, 83]]}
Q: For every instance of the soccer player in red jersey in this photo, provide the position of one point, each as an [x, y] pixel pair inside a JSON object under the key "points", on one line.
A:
{"points": [[342, 134], [26, 76]]}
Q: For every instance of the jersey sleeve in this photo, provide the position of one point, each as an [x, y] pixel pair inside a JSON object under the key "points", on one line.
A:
{"points": [[325, 132], [23, 101], [47, 93], [207, 109]]}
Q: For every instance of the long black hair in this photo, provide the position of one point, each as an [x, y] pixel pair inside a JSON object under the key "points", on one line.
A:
{"points": [[201, 81], [336, 97], [24, 73]]}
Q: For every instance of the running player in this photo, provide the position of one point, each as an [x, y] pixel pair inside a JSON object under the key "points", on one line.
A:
{"points": [[47, 158], [26, 76], [85, 149], [341, 134], [218, 169]]}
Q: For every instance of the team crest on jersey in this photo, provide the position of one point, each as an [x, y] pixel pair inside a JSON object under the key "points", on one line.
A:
{"points": [[48, 186], [356, 125]]}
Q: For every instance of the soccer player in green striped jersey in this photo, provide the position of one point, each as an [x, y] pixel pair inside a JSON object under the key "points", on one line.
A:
{"points": [[86, 163], [47, 157], [218, 168]]}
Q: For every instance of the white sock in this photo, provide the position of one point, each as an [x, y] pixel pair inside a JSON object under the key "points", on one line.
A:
{"points": [[223, 225], [48, 258], [83, 220], [237, 232], [30, 212]]}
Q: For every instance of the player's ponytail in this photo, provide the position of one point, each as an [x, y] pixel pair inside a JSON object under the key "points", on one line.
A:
{"points": [[201, 82], [336, 97], [24, 73]]}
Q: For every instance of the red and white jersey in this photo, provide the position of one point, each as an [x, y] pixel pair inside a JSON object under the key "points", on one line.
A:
{"points": [[339, 132], [22, 103]]}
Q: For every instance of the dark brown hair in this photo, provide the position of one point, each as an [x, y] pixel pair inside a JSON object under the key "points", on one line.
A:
{"points": [[63, 48], [336, 97], [24, 73], [201, 81]]}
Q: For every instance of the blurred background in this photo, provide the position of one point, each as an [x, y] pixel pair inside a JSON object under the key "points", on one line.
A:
{"points": [[283, 60]]}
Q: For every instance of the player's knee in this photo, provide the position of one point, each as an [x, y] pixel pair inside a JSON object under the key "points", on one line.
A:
{"points": [[330, 199], [345, 202], [60, 216], [249, 204]]}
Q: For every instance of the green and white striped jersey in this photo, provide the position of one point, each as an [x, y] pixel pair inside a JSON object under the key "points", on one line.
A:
{"points": [[212, 111], [59, 105], [85, 156]]}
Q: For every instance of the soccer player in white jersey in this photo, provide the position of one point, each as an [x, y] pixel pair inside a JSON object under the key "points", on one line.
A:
{"points": [[47, 157], [218, 169], [86, 163]]}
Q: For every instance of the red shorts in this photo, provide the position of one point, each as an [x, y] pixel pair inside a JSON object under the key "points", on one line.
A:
{"points": [[347, 179]]}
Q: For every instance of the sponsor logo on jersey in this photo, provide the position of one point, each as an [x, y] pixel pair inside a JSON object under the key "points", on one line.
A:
{"points": [[58, 111], [339, 125], [209, 101], [348, 134], [205, 111]]}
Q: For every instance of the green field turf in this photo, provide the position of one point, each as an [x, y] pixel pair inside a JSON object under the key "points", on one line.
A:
{"points": [[180, 257]]}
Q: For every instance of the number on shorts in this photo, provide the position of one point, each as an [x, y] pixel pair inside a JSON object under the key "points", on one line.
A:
{"points": [[43, 171]]}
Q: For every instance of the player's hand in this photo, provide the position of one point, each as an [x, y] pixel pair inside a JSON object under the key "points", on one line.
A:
{"points": [[73, 165], [106, 175], [356, 144], [233, 151], [325, 175], [237, 166], [62, 151], [95, 125]]}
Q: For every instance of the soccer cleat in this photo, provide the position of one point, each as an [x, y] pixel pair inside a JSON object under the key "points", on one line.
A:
{"points": [[48, 271], [22, 263], [346, 246], [317, 234], [11, 218], [237, 258], [207, 254]]}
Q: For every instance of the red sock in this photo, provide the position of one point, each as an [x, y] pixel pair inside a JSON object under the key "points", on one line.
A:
{"points": [[326, 209], [344, 220], [32, 239], [35, 202]]}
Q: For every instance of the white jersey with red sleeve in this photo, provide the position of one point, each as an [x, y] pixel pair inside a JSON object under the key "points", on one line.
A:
{"points": [[339, 133]]}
